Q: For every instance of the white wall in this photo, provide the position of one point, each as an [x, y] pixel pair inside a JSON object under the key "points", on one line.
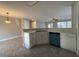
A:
{"points": [[75, 17], [8, 30], [78, 31]]}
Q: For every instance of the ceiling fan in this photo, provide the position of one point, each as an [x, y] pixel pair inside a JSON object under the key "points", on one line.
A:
{"points": [[31, 3], [54, 19]]}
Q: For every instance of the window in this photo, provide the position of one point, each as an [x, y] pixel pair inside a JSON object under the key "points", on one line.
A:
{"points": [[61, 24], [69, 24], [50, 25], [64, 24]]}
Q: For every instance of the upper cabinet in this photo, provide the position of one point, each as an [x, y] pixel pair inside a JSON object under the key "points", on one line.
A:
{"points": [[33, 24], [68, 41], [37, 24], [26, 24]]}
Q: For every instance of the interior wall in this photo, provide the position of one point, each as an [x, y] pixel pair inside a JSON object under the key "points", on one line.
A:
{"points": [[76, 23], [8, 30], [78, 30], [20, 25]]}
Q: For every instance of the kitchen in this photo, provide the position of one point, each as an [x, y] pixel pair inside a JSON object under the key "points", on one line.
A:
{"points": [[59, 37]]}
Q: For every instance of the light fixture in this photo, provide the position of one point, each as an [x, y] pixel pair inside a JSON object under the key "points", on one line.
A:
{"points": [[7, 20], [54, 19]]}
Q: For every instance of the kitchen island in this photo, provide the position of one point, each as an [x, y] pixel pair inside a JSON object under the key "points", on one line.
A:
{"points": [[67, 40]]}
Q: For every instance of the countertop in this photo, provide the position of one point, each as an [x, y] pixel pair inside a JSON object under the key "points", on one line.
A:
{"points": [[70, 31]]}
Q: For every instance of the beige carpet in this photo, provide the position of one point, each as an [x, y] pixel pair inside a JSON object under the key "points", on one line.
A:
{"points": [[9, 47], [14, 48]]}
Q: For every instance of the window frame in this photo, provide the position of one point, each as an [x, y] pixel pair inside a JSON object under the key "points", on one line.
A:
{"points": [[60, 26]]}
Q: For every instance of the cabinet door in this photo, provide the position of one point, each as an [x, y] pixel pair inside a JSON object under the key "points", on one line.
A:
{"points": [[38, 38], [32, 39], [44, 37], [26, 40], [41, 37], [68, 41]]}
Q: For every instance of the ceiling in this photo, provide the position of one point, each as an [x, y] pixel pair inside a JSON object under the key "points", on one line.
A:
{"points": [[42, 10]]}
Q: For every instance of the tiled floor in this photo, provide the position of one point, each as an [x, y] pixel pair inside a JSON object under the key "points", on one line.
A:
{"points": [[14, 48]]}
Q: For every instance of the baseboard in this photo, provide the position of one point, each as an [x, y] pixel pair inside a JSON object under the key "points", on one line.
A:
{"points": [[10, 38]]}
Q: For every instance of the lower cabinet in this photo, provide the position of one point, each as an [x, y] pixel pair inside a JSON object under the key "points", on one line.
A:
{"points": [[41, 37], [63, 40], [35, 38], [29, 39], [68, 41], [26, 42], [32, 39]]}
